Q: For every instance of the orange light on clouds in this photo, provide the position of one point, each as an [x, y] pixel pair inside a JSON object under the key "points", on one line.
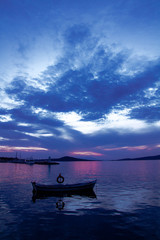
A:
{"points": [[25, 149], [87, 153]]}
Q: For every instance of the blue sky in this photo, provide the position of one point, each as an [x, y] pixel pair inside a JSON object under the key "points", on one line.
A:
{"points": [[80, 78]]}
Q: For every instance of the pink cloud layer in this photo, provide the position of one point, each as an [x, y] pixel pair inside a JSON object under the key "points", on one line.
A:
{"points": [[87, 153]]}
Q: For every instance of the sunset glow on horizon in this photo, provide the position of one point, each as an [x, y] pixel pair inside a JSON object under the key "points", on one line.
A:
{"points": [[87, 153]]}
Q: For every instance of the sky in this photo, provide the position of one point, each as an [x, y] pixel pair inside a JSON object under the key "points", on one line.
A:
{"points": [[80, 78]]}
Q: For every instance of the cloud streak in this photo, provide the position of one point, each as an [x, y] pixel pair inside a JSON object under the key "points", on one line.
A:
{"points": [[87, 153], [23, 149]]}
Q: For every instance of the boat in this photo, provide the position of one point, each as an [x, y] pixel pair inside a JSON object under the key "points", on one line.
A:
{"points": [[60, 188], [29, 161], [46, 162]]}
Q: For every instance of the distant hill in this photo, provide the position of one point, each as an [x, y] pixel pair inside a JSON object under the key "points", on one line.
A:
{"points": [[70, 159], [157, 157], [62, 159]]}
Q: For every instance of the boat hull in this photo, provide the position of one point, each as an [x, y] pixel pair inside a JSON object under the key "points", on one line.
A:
{"points": [[63, 188]]}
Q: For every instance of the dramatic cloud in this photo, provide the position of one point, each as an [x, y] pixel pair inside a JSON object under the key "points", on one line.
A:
{"points": [[74, 81]]}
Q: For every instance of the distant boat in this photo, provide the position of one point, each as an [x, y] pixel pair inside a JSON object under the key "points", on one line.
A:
{"points": [[48, 161], [43, 162], [29, 161], [63, 188]]}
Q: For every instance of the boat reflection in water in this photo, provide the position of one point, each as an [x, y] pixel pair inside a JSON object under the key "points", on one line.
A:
{"points": [[60, 203], [41, 191]]}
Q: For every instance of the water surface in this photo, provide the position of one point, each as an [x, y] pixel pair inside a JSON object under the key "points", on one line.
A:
{"points": [[127, 203]]}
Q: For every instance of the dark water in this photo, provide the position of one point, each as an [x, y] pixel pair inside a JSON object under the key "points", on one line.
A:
{"points": [[127, 203]]}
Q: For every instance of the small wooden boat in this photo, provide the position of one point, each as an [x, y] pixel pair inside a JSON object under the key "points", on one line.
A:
{"points": [[63, 188]]}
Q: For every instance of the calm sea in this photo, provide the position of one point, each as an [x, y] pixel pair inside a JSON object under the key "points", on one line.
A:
{"points": [[126, 205]]}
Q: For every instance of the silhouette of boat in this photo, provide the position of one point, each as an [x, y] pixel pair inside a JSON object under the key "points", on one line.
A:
{"points": [[43, 195], [61, 189], [46, 162]]}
